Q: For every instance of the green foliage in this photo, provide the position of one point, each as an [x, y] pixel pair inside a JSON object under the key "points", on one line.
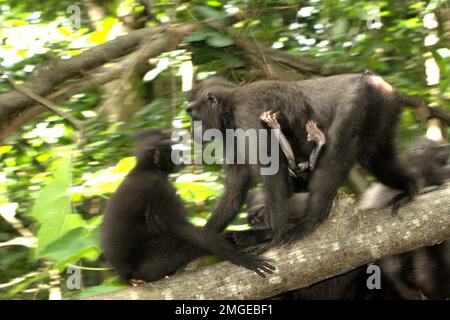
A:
{"points": [[81, 242], [52, 208], [110, 285]]}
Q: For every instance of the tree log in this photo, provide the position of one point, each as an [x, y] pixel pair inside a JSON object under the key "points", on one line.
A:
{"points": [[347, 239]]}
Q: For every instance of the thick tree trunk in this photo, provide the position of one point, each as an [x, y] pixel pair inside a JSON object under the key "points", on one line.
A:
{"points": [[347, 239]]}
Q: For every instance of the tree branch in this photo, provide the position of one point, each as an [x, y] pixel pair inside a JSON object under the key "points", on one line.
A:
{"points": [[347, 239], [46, 103], [42, 81]]}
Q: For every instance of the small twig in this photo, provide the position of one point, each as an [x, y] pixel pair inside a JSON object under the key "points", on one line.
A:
{"points": [[79, 125], [425, 111]]}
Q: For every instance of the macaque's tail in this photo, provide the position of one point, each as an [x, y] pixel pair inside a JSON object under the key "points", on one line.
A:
{"points": [[423, 110]]}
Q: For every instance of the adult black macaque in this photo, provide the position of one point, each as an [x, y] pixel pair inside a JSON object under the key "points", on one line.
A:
{"points": [[145, 234], [357, 112]]}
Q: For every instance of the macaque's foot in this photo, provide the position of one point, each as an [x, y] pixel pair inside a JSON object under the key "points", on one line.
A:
{"points": [[314, 133], [136, 282], [270, 118], [405, 197], [303, 166], [429, 189], [399, 201]]}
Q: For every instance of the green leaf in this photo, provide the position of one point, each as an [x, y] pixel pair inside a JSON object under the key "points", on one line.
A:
{"points": [[79, 243], [433, 4], [52, 208], [107, 180], [339, 29], [219, 41], [110, 285], [5, 149], [213, 3], [200, 35], [234, 62]]}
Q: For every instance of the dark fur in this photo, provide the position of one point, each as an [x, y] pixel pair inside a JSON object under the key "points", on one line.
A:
{"points": [[426, 160], [145, 234], [257, 213], [358, 117]]}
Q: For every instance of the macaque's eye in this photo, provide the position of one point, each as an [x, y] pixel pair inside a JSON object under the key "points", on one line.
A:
{"points": [[259, 213], [252, 221], [211, 98]]}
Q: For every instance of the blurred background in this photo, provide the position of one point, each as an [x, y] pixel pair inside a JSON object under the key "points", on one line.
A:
{"points": [[58, 169]]}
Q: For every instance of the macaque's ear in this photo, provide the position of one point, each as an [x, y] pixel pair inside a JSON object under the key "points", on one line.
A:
{"points": [[151, 154], [155, 155]]}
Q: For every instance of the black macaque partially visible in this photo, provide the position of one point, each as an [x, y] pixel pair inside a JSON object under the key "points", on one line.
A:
{"points": [[427, 160], [261, 234], [423, 273], [257, 214], [357, 112], [145, 234]]}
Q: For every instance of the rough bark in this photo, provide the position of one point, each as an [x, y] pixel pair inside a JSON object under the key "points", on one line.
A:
{"points": [[347, 239]]}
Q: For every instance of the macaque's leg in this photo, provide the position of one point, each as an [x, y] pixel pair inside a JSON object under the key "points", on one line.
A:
{"points": [[314, 134], [270, 119]]}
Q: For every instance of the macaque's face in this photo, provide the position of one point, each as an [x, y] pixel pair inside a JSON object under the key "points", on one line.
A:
{"points": [[206, 105], [154, 148], [256, 217]]}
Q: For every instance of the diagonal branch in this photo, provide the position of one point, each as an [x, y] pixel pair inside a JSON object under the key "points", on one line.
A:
{"points": [[46, 103]]}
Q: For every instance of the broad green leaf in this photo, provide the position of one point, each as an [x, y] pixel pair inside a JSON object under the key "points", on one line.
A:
{"points": [[199, 187], [214, 3], [200, 35], [52, 208], [81, 242]]}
